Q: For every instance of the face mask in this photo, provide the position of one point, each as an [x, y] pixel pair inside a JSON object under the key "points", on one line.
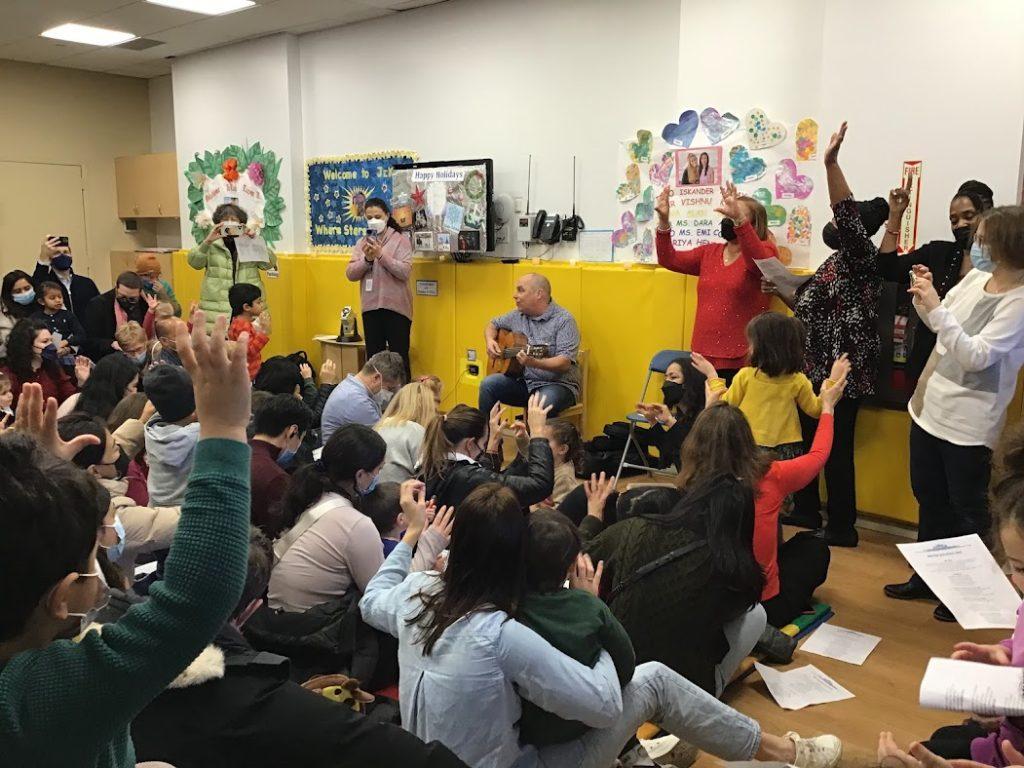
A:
{"points": [[728, 230], [383, 398], [370, 488], [49, 352], [284, 458], [981, 258], [139, 359], [61, 262], [114, 552], [962, 236], [671, 393], [89, 616], [376, 225], [127, 304], [25, 298]]}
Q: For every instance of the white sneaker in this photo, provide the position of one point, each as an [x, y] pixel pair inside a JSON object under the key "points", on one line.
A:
{"points": [[670, 751], [819, 752]]}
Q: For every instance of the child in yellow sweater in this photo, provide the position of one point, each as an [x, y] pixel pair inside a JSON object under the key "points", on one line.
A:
{"points": [[773, 386]]}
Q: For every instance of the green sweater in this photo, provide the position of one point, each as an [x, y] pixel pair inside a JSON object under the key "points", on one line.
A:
{"points": [[580, 626], [70, 704]]}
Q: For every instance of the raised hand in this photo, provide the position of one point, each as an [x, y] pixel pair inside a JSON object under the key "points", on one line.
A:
{"points": [[522, 436], [412, 496], [767, 286], [443, 522], [306, 371], [923, 289], [216, 232], [41, 424], [151, 300], [834, 144], [584, 576], [702, 365], [731, 206], [899, 200], [220, 380], [328, 372], [83, 368], [537, 413], [840, 368], [598, 488], [831, 394], [51, 247], [661, 208], [656, 412]]}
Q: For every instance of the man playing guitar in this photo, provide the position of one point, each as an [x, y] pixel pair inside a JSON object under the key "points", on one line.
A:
{"points": [[549, 363]]}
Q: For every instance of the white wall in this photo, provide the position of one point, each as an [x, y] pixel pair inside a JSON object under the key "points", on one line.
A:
{"points": [[509, 79], [241, 94], [161, 139], [935, 80]]}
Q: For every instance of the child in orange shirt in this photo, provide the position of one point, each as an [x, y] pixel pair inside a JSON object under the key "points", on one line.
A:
{"points": [[249, 314]]}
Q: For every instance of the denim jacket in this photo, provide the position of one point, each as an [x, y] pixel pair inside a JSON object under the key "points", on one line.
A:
{"points": [[466, 693]]}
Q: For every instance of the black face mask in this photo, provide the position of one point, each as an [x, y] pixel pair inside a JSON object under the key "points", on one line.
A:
{"points": [[728, 230], [126, 303], [962, 236], [671, 393]]}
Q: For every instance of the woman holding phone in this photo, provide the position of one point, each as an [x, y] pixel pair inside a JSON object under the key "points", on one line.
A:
{"points": [[218, 255], [381, 263]]}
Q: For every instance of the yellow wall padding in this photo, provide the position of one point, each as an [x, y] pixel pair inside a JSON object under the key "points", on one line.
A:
{"points": [[626, 314]]}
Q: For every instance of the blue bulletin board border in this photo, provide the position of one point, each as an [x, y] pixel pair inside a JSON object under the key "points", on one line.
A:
{"points": [[334, 221]]}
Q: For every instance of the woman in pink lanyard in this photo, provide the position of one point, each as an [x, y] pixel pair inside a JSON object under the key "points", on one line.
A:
{"points": [[381, 262]]}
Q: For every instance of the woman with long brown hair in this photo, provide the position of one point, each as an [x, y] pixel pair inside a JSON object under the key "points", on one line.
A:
{"points": [[465, 660]]}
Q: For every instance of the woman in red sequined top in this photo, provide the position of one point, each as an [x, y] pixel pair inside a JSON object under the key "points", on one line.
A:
{"points": [[729, 283]]}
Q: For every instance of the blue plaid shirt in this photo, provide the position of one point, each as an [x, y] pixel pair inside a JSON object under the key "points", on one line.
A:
{"points": [[558, 330]]}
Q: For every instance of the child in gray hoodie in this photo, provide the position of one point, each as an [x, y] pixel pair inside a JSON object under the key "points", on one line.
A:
{"points": [[171, 435]]}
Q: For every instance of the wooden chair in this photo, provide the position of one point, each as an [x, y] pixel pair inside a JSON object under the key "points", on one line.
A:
{"points": [[576, 414]]}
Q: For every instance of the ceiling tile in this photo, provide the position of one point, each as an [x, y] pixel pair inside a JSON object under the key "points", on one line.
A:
{"points": [[143, 19], [27, 18], [41, 50], [144, 69]]}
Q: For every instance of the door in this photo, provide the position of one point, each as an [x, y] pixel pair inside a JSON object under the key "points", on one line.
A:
{"points": [[39, 199]]}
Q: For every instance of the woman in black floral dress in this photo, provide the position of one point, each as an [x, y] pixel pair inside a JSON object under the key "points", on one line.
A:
{"points": [[839, 308]]}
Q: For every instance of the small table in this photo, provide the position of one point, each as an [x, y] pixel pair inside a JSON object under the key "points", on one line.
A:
{"points": [[348, 356]]}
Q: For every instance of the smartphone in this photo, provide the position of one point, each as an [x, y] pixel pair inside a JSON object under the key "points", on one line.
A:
{"points": [[62, 241], [232, 230]]}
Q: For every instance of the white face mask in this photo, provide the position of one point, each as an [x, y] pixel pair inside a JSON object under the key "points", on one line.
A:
{"points": [[376, 225], [89, 616]]}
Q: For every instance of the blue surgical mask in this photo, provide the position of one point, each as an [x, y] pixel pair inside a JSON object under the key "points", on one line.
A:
{"points": [[139, 359], [49, 352], [115, 551], [25, 298], [981, 257], [284, 458], [370, 488]]}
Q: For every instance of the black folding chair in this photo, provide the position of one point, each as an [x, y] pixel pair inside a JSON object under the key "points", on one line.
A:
{"points": [[659, 364]]}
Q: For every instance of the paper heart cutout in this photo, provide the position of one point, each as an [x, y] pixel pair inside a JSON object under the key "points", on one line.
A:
{"points": [[627, 235], [806, 139], [661, 173], [745, 168], [640, 150], [799, 229], [790, 184], [681, 134], [643, 250], [785, 255], [762, 132], [718, 126], [776, 213], [631, 188], [645, 208]]}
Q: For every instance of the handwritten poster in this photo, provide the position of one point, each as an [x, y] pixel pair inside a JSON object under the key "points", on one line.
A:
{"points": [[693, 217], [337, 189], [908, 227]]}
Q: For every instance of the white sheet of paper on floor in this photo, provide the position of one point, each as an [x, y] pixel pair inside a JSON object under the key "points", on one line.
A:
{"points": [[840, 643], [776, 272], [317, 453], [251, 249], [967, 686], [967, 579], [142, 571], [803, 687]]}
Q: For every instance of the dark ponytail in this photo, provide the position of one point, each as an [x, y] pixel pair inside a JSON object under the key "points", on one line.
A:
{"points": [[447, 431], [379, 202], [565, 433], [351, 448]]}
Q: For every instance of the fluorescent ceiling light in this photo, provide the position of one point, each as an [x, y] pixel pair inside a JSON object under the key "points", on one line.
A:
{"points": [[80, 33], [209, 7]]}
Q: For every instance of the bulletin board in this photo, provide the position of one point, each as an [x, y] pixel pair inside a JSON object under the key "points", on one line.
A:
{"points": [[337, 189], [694, 155]]}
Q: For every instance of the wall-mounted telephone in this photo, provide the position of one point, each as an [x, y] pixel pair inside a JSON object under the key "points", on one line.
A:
{"points": [[547, 229]]}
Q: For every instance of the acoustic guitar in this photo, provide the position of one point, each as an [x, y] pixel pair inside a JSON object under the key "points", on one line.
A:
{"points": [[511, 345]]}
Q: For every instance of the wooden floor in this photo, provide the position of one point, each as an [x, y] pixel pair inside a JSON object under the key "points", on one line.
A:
{"points": [[886, 686]]}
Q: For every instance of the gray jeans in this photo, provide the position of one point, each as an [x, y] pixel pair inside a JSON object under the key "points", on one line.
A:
{"points": [[657, 694], [743, 632]]}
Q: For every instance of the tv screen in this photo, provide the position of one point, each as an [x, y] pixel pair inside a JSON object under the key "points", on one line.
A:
{"points": [[449, 202]]}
